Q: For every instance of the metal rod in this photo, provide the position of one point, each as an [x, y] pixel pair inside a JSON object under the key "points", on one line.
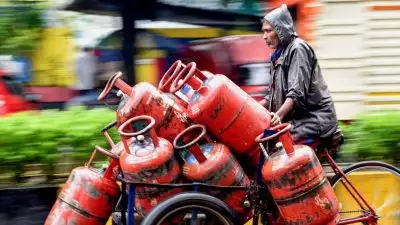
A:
{"points": [[131, 203], [196, 187], [185, 185], [194, 211], [109, 139], [336, 168], [123, 202], [260, 164], [344, 182], [125, 144], [194, 217], [256, 219], [264, 150], [355, 220], [89, 162], [106, 152], [109, 106], [109, 126]]}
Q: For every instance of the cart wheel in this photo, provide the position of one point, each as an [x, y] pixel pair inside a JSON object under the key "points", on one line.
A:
{"points": [[378, 183], [192, 208]]}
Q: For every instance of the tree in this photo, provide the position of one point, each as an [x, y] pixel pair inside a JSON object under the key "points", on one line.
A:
{"points": [[21, 23]]}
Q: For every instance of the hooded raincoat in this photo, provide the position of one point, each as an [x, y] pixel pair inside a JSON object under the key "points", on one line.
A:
{"points": [[296, 74]]}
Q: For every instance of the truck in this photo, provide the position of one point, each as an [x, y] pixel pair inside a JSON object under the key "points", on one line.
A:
{"points": [[245, 59]]}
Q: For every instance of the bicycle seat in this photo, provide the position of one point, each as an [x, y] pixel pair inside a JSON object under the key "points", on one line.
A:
{"points": [[333, 142]]}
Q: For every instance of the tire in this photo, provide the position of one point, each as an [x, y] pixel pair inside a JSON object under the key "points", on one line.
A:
{"points": [[380, 187], [206, 203], [364, 164]]}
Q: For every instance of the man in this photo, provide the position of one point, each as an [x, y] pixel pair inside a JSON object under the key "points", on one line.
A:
{"points": [[299, 94], [85, 69]]}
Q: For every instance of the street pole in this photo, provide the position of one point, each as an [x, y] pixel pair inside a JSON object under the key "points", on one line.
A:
{"points": [[128, 12]]}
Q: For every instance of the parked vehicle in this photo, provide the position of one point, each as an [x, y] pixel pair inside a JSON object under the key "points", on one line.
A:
{"points": [[244, 59], [13, 97]]}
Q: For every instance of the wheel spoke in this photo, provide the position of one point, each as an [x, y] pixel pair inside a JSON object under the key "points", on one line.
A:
{"points": [[379, 185]]}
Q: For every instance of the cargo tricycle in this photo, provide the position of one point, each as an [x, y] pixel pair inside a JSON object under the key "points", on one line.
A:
{"points": [[198, 150]]}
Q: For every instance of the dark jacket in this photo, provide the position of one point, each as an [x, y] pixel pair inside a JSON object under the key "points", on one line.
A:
{"points": [[297, 75]]}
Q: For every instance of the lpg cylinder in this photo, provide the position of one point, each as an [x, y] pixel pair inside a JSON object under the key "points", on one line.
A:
{"points": [[166, 81], [145, 99], [212, 163], [297, 182], [88, 197], [186, 91], [148, 159], [228, 112]]}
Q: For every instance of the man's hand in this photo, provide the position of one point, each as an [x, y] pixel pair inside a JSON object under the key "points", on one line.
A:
{"points": [[275, 120], [282, 112]]}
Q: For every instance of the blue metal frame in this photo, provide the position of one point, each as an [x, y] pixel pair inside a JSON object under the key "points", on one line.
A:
{"points": [[259, 168], [195, 188], [194, 211], [131, 204]]}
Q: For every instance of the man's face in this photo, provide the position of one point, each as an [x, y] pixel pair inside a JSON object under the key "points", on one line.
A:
{"points": [[270, 36]]}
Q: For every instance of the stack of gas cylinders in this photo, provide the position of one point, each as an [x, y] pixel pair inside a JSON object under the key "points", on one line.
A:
{"points": [[192, 128]]}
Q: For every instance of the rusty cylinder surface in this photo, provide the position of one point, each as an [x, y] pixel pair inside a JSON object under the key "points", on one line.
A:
{"points": [[220, 168], [300, 187], [230, 114], [86, 198], [150, 164], [145, 99]]}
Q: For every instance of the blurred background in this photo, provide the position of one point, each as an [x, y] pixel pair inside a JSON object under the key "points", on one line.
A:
{"points": [[57, 55]]}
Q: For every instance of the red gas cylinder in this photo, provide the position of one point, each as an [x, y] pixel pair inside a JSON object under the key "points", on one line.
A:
{"points": [[166, 81], [186, 91], [88, 196], [148, 159], [145, 99], [212, 163], [297, 182], [225, 109]]}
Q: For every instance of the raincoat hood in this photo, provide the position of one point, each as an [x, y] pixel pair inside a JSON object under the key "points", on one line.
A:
{"points": [[281, 20]]}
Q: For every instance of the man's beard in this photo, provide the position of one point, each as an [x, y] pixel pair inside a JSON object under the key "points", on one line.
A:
{"points": [[272, 44]]}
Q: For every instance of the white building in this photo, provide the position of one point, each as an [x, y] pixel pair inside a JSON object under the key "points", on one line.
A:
{"points": [[358, 44]]}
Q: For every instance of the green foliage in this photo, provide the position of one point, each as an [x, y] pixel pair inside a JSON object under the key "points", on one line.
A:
{"points": [[46, 136], [21, 23], [374, 136]]}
